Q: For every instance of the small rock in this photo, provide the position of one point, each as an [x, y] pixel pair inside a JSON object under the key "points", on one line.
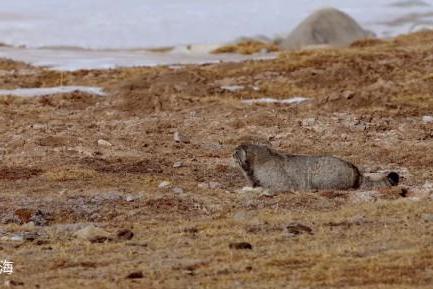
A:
{"points": [[427, 119], [232, 88], [180, 138], [104, 143], [257, 191], [203, 185], [215, 185], [131, 198], [308, 122], [295, 229], [177, 165], [210, 185], [21, 237], [39, 126], [178, 190], [10, 283], [135, 275], [16, 238], [125, 234], [92, 234], [241, 246], [28, 226], [427, 217], [164, 185]]}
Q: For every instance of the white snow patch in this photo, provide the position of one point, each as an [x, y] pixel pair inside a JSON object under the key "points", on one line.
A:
{"points": [[293, 100], [427, 119], [32, 92], [233, 88], [67, 59]]}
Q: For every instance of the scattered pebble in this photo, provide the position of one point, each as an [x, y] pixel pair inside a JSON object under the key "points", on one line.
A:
{"points": [[104, 143], [92, 234], [215, 185], [20, 237], [30, 226], [125, 234], [135, 275], [427, 217], [295, 229], [210, 185], [307, 122], [39, 126], [427, 119], [241, 246], [10, 283], [232, 88], [180, 137], [177, 165], [178, 190], [164, 185], [131, 198], [16, 238], [257, 191]]}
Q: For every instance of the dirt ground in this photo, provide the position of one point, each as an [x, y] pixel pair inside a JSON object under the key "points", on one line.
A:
{"points": [[58, 174]]}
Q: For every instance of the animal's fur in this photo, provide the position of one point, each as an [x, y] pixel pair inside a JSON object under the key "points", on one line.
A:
{"points": [[278, 172]]}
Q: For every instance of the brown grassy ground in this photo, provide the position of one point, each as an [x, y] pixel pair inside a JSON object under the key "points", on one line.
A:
{"points": [[367, 107]]}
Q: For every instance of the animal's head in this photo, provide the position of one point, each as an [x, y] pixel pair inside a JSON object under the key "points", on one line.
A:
{"points": [[248, 154]]}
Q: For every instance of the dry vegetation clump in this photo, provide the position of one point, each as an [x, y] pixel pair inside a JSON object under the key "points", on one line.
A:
{"points": [[247, 47]]}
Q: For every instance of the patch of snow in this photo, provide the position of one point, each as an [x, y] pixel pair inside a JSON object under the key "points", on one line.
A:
{"points": [[67, 59], [33, 92], [293, 100], [233, 88], [427, 119]]}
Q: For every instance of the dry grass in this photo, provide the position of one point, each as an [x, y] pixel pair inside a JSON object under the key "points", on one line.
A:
{"points": [[69, 174], [247, 47]]}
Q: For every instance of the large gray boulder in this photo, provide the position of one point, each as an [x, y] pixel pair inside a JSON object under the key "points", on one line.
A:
{"points": [[325, 27]]}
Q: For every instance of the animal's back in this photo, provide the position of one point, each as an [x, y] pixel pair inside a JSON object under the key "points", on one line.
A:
{"points": [[299, 172]]}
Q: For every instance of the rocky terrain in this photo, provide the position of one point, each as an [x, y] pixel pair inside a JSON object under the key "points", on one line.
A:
{"points": [[138, 189]]}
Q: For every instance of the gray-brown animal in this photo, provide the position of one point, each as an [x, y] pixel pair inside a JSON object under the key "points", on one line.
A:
{"points": [[278, 172]]}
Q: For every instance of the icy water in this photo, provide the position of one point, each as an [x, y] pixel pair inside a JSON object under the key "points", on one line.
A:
{"points": [[132, 24]]}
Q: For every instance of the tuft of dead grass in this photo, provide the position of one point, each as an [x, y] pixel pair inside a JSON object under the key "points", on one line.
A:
{"points": [[247, 47], [63, 174]]}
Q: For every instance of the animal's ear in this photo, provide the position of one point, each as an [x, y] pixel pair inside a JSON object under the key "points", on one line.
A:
{"points": [[240, 154], [393, 178]]}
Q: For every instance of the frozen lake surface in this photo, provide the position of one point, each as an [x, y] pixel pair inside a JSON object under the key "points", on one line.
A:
{"points": [[135, 24]]}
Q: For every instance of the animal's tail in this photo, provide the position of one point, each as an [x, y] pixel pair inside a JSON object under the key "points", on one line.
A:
{"points": [[381, 181], [393, 178]]}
